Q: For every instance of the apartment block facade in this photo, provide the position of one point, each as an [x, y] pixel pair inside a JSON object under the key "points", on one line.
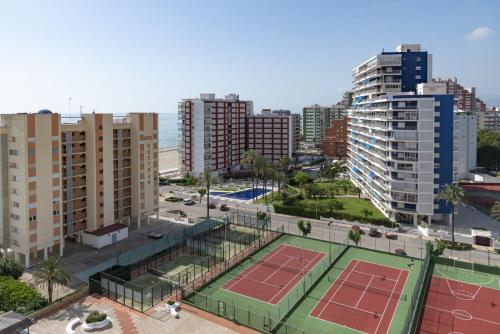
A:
{"points": [[465, 98], [334, 144], [489, 120], [214, 133], [316, 119], [400, 134], [65, 179], [464, 143]]}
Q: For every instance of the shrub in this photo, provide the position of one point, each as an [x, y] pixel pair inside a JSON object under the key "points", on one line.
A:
{"points": [[9, 267], [261, 215], [171, 302], [19, 296], [497, 250], [95, 316], [457, 246]]}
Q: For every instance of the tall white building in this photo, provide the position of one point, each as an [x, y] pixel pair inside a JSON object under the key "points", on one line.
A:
{"points": [[400, 138], [465, 144]]}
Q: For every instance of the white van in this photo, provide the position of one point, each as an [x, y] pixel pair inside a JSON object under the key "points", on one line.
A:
{"points": [[188, 201]]}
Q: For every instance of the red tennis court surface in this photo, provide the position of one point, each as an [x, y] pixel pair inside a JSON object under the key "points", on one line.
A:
{"points": [[453, 307], [364, 297], [274, 275]]}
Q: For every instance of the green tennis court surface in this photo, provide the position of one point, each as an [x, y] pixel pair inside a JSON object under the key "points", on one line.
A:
{"points": [[301, 315], [256, 313]]}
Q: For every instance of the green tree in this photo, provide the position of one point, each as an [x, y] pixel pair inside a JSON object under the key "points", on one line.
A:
{"points": [[50, 274], [345, 185], [495, 211], [202, 192], [281, 179], [354, 236], [312, 190], [285, 164], [304, 227], [301, 178], [18, 296], [9, 267], [452, 194], [366, 212], [331, 171], [488, 149], [357, 190], [250, 159], [207, 181]]}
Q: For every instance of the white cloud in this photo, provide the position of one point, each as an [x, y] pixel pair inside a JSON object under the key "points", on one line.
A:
{"points": [[479, 33]]}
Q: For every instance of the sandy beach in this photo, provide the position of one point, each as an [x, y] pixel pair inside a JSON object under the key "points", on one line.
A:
{"points": [[168, 159]]}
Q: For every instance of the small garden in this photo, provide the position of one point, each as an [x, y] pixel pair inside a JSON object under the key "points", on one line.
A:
{"points": [[22, 297], [325, 196]]}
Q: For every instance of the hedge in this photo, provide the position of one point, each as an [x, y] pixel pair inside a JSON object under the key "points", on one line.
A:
{"points": [[309, 212]]}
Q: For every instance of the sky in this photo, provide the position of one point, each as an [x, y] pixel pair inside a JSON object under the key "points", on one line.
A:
{"points": [[145, 56]]}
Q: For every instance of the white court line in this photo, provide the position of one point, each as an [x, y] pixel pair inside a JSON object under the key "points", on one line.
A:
{"points": [[446, 276], [291, 281], [387, 279], [463, 294], [338, 288], [447, 311], [364, 291], [240, 277], [278, 270], [388, 302]]}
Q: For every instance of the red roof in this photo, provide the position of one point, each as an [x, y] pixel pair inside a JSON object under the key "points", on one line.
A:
{"points": [[107, 229]]}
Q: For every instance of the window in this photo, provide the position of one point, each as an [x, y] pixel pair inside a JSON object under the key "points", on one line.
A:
{"points": [[31, 152], [55, 212], [32, 218], [13, 152]]}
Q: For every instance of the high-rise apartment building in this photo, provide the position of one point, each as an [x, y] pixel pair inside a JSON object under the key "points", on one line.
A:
{"points": [[464, 143], [465, 98], [400, 134], [66, 179], [489, 120], [316, 119], [215, 132], [334, 144]]}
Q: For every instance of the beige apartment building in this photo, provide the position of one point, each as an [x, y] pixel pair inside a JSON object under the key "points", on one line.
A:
{"points": [[94, 174]]}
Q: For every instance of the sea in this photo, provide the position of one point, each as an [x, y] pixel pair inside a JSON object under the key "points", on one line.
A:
{"points": [[168, 131]]}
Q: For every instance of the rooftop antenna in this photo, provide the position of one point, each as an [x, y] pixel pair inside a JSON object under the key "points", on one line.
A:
{"points": [[69, 106]]}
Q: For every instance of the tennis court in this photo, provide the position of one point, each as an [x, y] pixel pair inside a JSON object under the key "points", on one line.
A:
{"points": [[364, 291], [461, 300], [240, 295], [274, 275]]}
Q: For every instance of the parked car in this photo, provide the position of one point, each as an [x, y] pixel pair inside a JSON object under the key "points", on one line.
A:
{"points": [[188, 201], [224, 207], [154, 235], [212, 205], [399, 251], [390, 235], [374, 232], [356, 228]]}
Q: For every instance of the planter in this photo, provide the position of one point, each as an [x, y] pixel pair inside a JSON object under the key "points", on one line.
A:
{"points": [[96, 325]]}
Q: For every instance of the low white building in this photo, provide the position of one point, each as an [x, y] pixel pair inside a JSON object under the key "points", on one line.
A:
{"points": [[105, 236], [464, 144]]}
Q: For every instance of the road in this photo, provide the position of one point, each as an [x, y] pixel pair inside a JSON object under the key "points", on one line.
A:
{"points": [[409, 240]]}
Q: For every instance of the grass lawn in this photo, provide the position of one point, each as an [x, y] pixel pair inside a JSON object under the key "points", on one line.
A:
{"points": [[354, 206]]}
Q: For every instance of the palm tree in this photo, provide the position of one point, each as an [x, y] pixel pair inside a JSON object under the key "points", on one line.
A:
{"points": [[281, 178], [451, 194], [250, 158], [50, 274], [202, 192], [495, 211], [207, 181], [285, 164]]}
